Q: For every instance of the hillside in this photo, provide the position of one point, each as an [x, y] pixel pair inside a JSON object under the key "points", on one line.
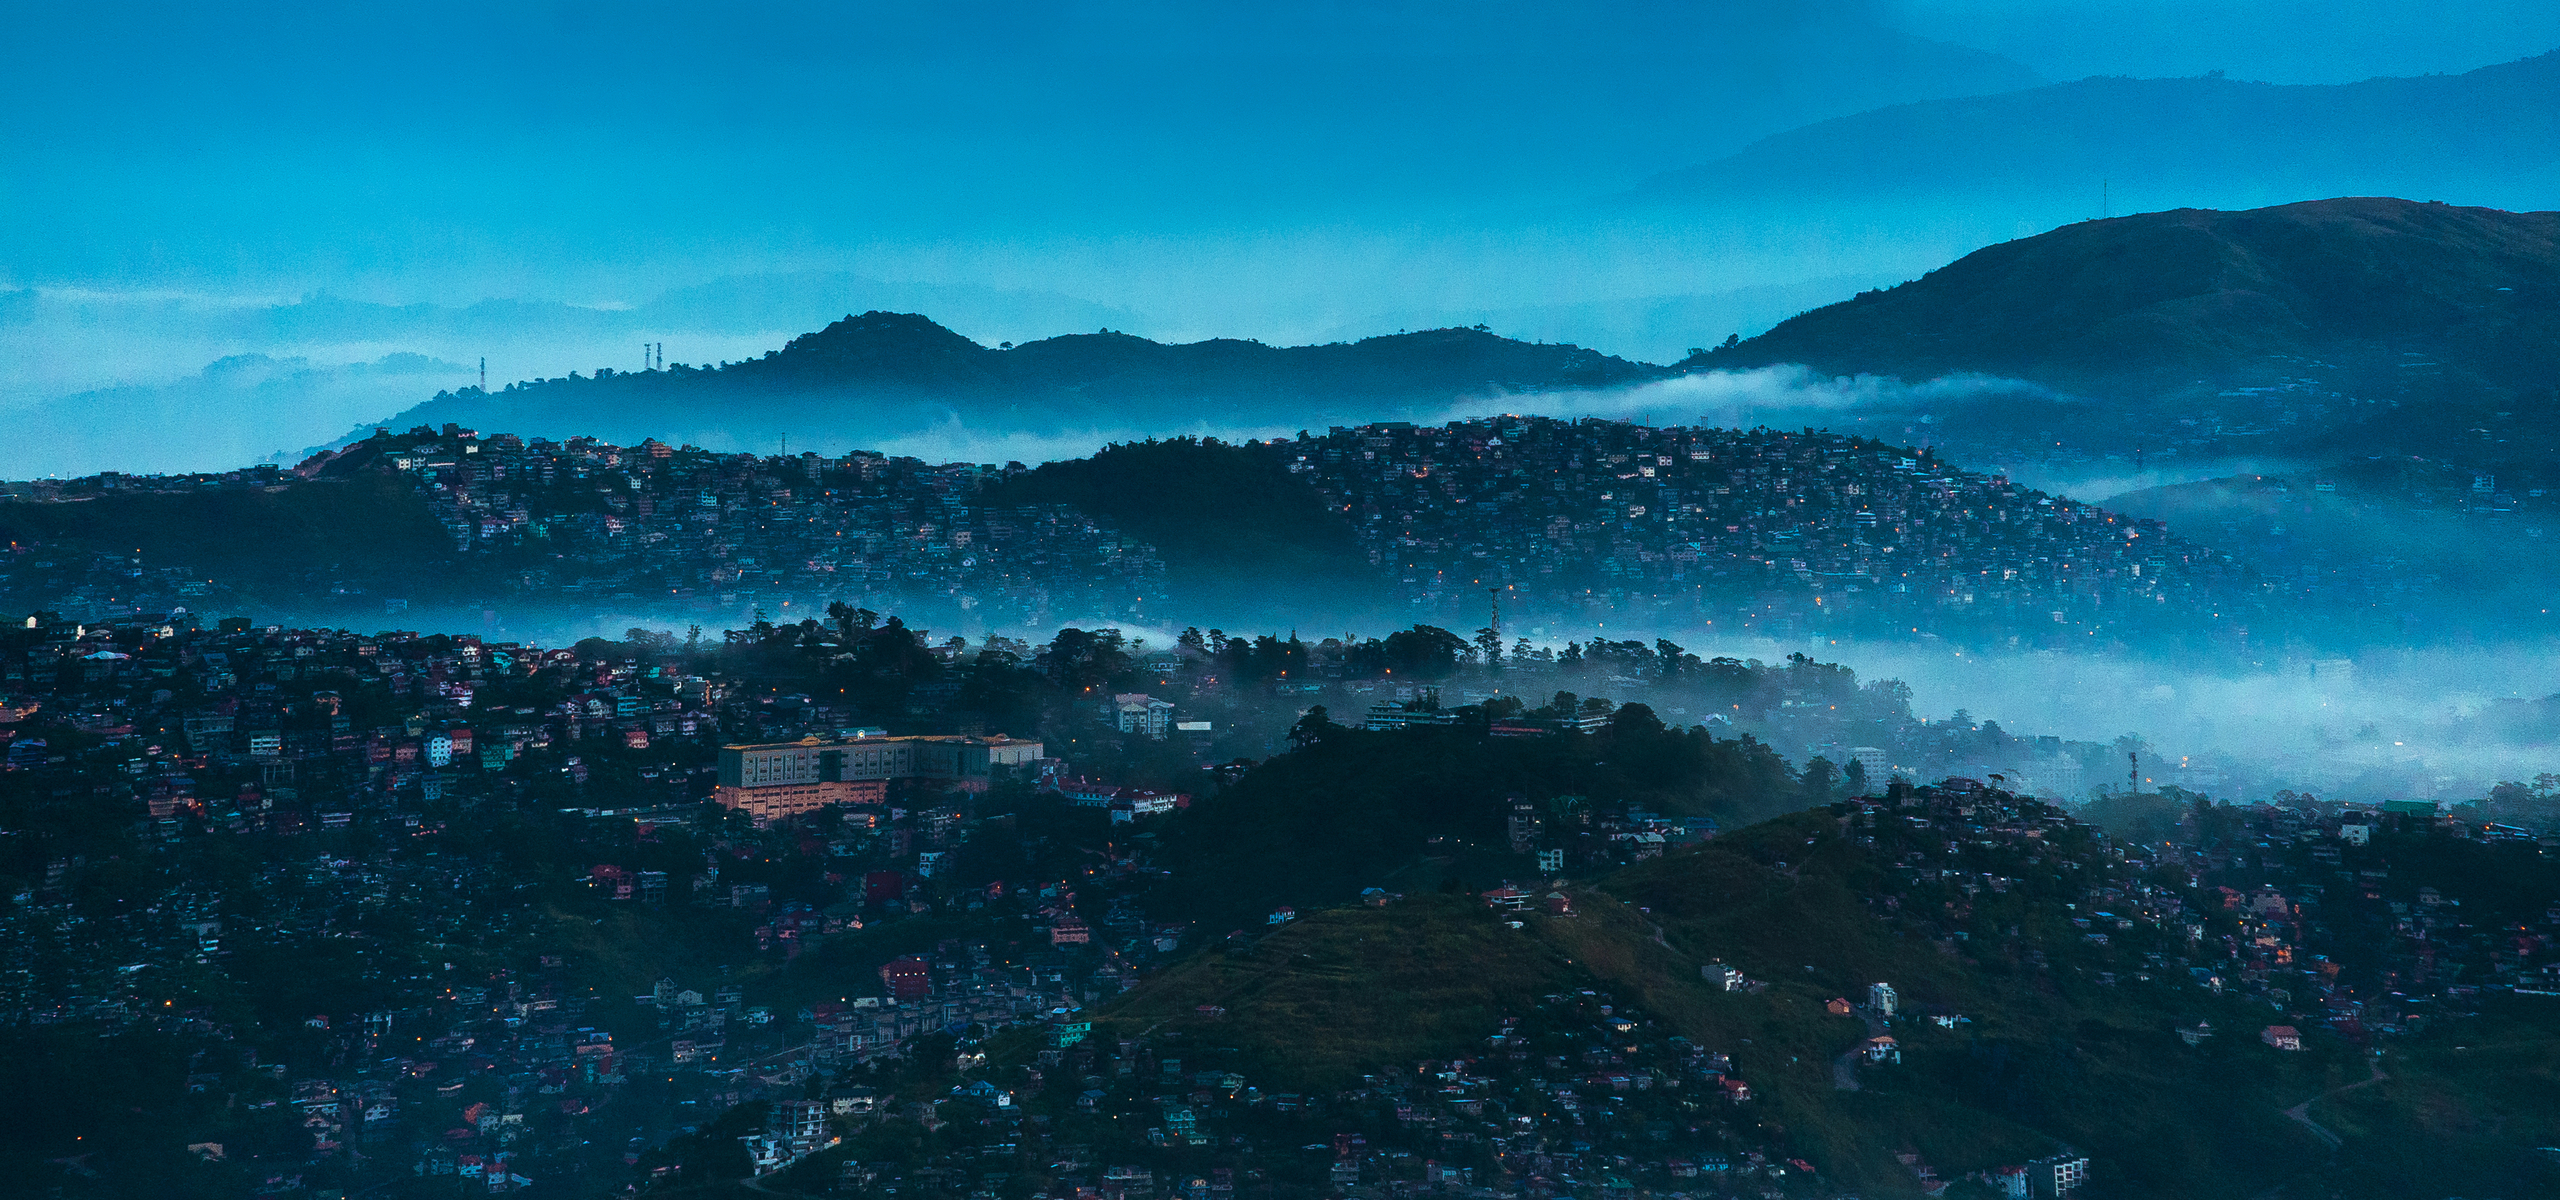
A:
{"points": [[1576, 522], [893, 374], [2409, 349], [2017, 1034], [2423, 540], [1578, 526], [2486, 137], [1768, 532], [1228, 520], [288, 544], [2367, 282], [1414, 809], [1585, 985]]}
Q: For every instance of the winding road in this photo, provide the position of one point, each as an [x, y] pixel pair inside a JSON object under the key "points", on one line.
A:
{"points": [[1844, 1069], [2302, 1112]]}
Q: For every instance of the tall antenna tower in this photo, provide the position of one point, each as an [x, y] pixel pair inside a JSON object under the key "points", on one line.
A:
{"points": [[2106, 207], [484, 374]]}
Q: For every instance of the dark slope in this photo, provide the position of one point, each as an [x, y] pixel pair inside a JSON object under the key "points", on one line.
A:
{"points": [[1227, 520], [2327, 337], [2173, 294], [283, 546], [896, 373], [2052, 1037], [2487, 136], [1303, 1009]]}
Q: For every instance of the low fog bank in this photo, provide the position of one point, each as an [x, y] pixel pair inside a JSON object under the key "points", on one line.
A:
{"points": [[1926, 413], [2385, 724], [1656, 328], [241, 410], [1778, 397], [271, 405], [151, 382], [2440, 724], [2105, 480]]}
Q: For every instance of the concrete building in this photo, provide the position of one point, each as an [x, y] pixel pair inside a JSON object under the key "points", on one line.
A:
{"points": [[1877, 766], [781, 779], [2059, 1175], [1142, 714]]}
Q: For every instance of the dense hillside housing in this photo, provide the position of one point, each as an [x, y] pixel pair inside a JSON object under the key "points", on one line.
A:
{"points": [[1782, 534]]}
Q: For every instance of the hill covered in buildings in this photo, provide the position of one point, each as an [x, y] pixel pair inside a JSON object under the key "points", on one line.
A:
{"points": [[395, 911], [2053, 992], [1552, 527], [1562, 524], [886, 374]]}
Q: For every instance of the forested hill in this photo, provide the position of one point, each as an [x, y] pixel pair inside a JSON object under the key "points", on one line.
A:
{"points": [[2371, 283], [899, 372]]}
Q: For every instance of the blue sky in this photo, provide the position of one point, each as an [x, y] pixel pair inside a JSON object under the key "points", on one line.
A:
{"points": [[585, 151]]}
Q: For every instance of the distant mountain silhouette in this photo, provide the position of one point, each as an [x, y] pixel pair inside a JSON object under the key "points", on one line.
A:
{"points": [[2400, 354], [2364, 283], [900, 372], [2490, 136]]}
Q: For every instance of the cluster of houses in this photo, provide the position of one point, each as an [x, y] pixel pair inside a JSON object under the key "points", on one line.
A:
{"points": [[1582, 1094], [349, 780], [658, 528], [2292, 905], [727, 532], [1777, 534], [272, 713], [2311, 906], [1578, 1093]]}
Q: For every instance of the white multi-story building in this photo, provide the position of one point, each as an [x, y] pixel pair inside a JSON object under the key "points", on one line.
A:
{"points": [[2059, 1175], [1142, 714], [1872, 761]]}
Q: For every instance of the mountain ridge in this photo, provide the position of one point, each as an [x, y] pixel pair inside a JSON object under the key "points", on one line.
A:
{"points": [[2202, 289], [897, 368], [2164, 142]]}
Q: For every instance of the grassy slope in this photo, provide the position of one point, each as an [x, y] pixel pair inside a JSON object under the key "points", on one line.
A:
{"points": [[1347, 990], [2048, 1055], [371, 530], [1227, 520], [1407, 810], [2458, 1111]]}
